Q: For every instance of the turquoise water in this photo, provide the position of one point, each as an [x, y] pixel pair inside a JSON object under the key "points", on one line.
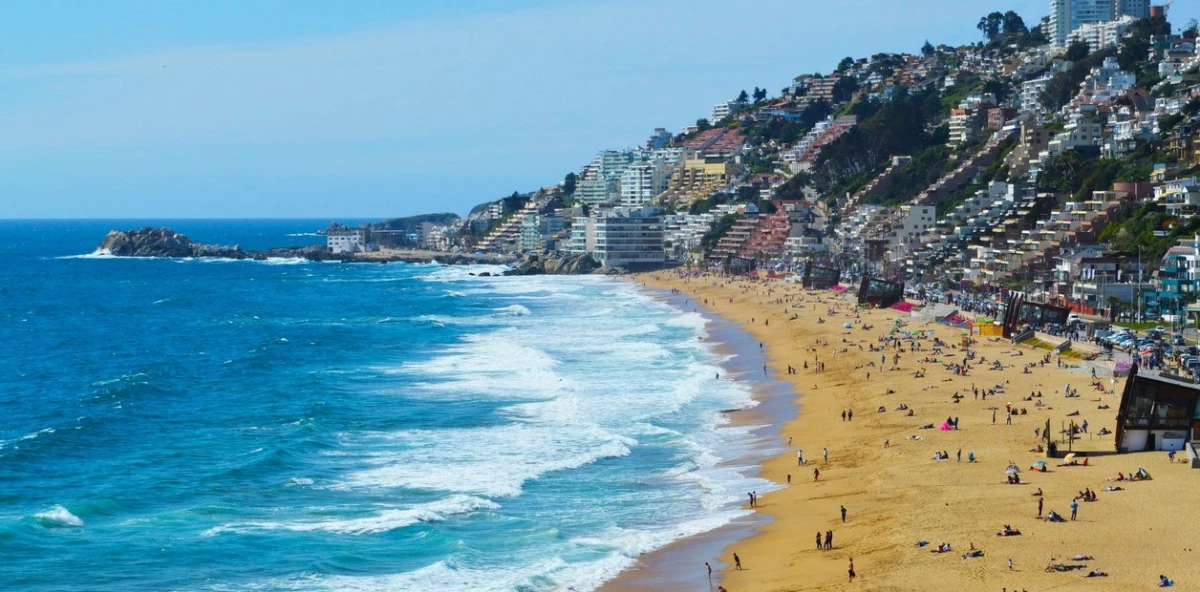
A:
{"points": [[227, 425]]}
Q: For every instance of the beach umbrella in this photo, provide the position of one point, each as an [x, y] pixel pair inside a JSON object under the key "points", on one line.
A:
{"points": [[847, 325], [1011, 470], [1039, 465], [1069, 458]]}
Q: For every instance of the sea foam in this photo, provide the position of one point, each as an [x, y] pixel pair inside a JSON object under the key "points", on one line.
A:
{"points": [[58, 516]]}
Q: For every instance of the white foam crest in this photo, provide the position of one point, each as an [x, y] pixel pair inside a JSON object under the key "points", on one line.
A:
{"points": [[35, 435], [284, 261], [455, 273], [689, 320], [488, 365], [382, 521], [442, 575], [58, 516], [97, 254], [304, 234], [494, 461], [515, 310]]}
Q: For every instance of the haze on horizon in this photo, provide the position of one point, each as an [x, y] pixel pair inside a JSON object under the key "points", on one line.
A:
{"points": [[277, 109]]}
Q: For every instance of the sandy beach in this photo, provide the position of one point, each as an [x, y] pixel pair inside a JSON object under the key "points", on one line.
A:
{"points": [[881, 463]]}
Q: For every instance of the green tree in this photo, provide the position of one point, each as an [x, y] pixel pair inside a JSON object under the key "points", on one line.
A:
{"points": [[569, 183], [844, 89], [1135, 48], [991, 25], [1077, 51], [702, 125], [743, 97], [998, 89], [1013, 24], [760, 94], [845, 64], [927, 49]]}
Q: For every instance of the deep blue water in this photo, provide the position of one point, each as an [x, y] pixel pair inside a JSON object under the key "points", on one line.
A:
{"points": [[224, 425]]}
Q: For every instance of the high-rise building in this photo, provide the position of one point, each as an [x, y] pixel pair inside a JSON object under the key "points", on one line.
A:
{"points": [[1068, 15], [642, 182], [1138, 9]]}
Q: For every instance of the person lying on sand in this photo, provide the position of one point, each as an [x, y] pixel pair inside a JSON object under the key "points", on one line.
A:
{"points": [[973, 553], [1008, 531], [1082, 558], [1095, 573]]}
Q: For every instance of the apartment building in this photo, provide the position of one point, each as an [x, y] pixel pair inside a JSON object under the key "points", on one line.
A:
{"points": [[620, 237]]}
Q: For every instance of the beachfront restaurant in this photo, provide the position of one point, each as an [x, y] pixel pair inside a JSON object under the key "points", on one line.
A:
{"points": [[1157, 412]]}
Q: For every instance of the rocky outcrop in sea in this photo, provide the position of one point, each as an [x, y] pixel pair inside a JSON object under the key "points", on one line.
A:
{"points": [[164, 242], [558, 264]]}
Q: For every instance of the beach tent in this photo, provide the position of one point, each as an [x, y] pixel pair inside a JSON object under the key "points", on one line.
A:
{"points": [[1142, 474], [848, 325]]}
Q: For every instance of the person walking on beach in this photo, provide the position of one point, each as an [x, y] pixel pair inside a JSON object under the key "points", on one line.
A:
{"points": [[1040, 502], [829, 539], [799, 456], [825, 453], [751, 496], [737, 562], [849, 415], [843, 513], [851, 570], [843, 415], [958, 457], [1074, 508], [993, 417], [816, 474], [789, 475], [818, 540]]}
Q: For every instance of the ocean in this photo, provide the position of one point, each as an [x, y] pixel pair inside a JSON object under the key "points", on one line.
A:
{"points": [[285, 425]]}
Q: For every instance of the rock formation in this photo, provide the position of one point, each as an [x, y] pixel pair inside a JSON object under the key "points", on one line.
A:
{"points": [[562, 264]]}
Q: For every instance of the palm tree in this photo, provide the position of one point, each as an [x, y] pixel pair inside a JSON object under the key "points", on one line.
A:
{"points": [[1114, 306]]}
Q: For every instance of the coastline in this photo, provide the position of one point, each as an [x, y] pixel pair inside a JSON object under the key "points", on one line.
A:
{"points": [[679, 566], [896, 494]]}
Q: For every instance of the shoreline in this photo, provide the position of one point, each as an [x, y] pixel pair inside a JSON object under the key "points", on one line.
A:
{"points": [[881, 469], [679, 565]]}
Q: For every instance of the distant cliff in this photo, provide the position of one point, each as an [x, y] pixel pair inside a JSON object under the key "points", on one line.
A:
{"points": [[164, 242]]}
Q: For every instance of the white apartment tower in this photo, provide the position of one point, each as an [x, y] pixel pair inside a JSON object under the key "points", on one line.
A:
{"points": [[1068, 15]]}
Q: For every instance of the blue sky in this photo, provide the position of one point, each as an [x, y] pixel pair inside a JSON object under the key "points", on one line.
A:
{"points": [[368, 109]]}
